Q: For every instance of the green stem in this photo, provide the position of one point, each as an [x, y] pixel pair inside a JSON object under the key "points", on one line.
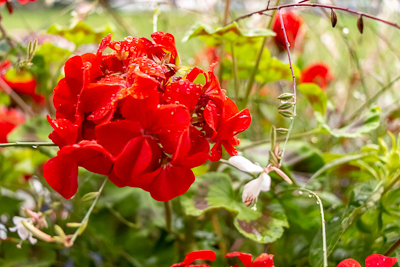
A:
{"points": [[257, 63], [167, 215], [86, 218], [281, 138], [321, 208], [373, 99], [235, 72], [28, 144]]}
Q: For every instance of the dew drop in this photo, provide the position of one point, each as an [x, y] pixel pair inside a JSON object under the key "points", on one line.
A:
{"points": [[317, 203], [310, 195], [34, 146], [300, 192]]}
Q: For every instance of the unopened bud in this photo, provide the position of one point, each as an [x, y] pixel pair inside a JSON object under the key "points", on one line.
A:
{"points": [[273, 160], [90, 196], [10, 7], [286, 96], [282, 130], [360, 24], [333, 18], [287, 113], [286, 106]]}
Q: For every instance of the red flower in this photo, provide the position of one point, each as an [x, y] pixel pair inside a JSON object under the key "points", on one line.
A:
{"points": [[293, 23], [130, 107], [318, 73], [374, 260], [9, 119], [22, 2], [264, 260], [197, 255]]}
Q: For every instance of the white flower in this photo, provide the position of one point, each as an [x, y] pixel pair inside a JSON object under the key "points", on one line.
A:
{"points": [[21, 230], [262, 183], [3, 232]]}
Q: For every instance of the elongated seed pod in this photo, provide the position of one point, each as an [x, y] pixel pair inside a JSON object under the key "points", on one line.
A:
{"points": [[333, 18], [360, 24]]}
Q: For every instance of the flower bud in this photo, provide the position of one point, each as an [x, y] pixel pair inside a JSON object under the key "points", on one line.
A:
{"points": [[282, 130], [285, 106], [286, 96], [333, 18], [360, 24], [287, 113]]}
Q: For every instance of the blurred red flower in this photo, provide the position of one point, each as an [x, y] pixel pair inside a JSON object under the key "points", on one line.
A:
{"points": [[197, 255], [22, 82], [264, 260], [293, 23], [22, 2], [9, 119], [318, 73], [374, 260], [129, 113]]}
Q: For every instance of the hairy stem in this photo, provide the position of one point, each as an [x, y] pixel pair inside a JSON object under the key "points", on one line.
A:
{"points": [[28, 144], [167, 209]]}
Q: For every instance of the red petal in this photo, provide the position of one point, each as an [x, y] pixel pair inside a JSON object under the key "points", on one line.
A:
{"points": [[94, 67], [216, 152], [140, 155], [114, 136], [100, 99], [140, 110], [89, 155], [264, 260], [349, 263], [245, 258], [62, 176], [147, 66], [167, 40], [212, 115], [63, 130], [65, 101], [171, 182], [183, 92], [104, 43], [143, 85], [230, 109], [200, 255], [192, 75], [234, 125], [170, 118], [380, 260], [74, 74], [213, 89]]}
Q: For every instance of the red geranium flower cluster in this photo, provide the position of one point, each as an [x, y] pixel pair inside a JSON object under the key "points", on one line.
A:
{"points": [[9, 119], [293, 23], [22, 2], [374, 260], [129, 116], [318, 73], [264, 260]]}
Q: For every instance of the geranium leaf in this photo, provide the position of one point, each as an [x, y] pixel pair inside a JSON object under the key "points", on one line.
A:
{"points": [[315, 96]]}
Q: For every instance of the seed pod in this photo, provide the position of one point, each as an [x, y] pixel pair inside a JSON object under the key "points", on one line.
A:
{"points": [[286, 96], [282, 130], [285, 106], [10, 7], [333, 18], [360, 24], [287, 113], [273, 137]]}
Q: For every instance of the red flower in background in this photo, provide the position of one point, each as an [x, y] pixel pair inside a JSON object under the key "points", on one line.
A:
{"points": [[126, 115], [374, 260], [293, 23], [22, 82], [9, 119], [318, 73], [197, 255], [22, 2], [264, 260]]}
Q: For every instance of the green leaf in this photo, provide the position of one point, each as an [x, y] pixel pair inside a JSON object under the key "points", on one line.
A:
{"points": [[274, 70], [80, 33], [357, 128], [230, 33], [214, 190], [315, 96]]}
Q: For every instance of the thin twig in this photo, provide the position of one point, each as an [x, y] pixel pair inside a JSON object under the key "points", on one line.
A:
{"points": [[28, 144], [324, 6], [392, 248], [294, 83]]}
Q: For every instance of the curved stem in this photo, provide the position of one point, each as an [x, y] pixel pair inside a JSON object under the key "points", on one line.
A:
{"points": [[86, 218], [323, 6]]}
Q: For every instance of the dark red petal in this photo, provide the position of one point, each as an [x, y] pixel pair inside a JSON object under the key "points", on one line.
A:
{"points": [[143, 86], [216, 152], [349, 263], [229, 148], [170, 118], [167, 40], [64, 129], [200, 255], [65, 101], [230, 109], [100, 100], [213, 115], [114, 136], [94, 67], [264, 260], [183, 146], [140, 110], [245, 258], [62, 176], [183, 92], [213, 89], [171, 182], [74, 74], [380, 260], [140, 155]]}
